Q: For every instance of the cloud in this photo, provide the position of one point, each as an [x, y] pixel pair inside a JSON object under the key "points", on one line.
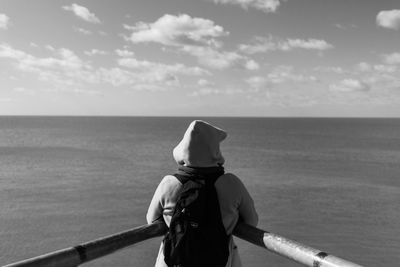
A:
{"points": [[4, 21], [310, 44], [345, 27], [32, 44], [193, 36], [161, 69], [216, 59], [83, 13], [279, 75], [66, 70], [282, 74], [205, 87], [382, 76], [365, 67], [124, 53], [50, 48], [94, 52], [83, 31], [63, 69], [266, 44], [393, 58], [144, 80], [206, 91], [66, 59], [268, 6], [349, 85], [102, 33], [23, 90], [257, 82], [389, 19], [204, 83], [177, 31], [252, 65], [330, 69]]}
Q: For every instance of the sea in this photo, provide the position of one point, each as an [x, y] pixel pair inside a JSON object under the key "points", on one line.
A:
{"points": [[330, 183]]}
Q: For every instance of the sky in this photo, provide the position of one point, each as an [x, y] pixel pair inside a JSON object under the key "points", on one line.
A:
{"points": [[264, 58]]}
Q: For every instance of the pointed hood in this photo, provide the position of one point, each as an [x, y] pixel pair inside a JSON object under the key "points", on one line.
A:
{"points": [[199, 146]]}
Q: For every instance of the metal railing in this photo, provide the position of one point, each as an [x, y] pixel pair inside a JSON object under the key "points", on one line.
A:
{"points": [[95, 249]]}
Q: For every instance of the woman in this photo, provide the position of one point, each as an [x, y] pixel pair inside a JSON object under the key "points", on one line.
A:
{"points": [[200, 148]]}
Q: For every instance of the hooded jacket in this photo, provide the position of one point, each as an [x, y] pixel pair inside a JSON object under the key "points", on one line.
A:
{"points": [[200, 147]]}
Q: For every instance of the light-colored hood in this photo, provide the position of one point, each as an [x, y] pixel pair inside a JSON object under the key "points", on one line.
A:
{"points": [[199, 146]]}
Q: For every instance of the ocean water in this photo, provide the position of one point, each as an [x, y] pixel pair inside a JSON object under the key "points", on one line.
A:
{"points": [[333, 184]]}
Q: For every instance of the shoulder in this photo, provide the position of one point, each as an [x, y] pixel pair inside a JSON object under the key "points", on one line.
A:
{"points": [[168, 187], [168, 184], [229, 178], [229, 181], [169, 181]]}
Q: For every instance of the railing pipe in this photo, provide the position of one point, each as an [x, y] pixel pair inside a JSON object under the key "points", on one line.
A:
{"points": [[290, 249], [91, 250], [94, 249]]}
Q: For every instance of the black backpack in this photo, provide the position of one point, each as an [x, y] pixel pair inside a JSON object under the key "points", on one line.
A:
{"points": [[197, 236]]}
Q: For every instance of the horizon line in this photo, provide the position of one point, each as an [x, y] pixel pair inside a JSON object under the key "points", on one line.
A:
{"points": [[200, 116]]}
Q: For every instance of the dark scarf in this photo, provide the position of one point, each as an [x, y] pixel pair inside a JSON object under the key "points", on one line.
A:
{"points": [[200, 172]]}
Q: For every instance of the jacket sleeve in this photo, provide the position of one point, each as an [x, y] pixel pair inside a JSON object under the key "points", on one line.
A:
{"points": [[155, 210], [164, 199], [247, 211]]}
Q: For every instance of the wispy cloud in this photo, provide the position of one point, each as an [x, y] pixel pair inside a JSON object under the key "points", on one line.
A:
{"points": [[252, 65], [310, 44], [349, 85], [345, 27], [66, 59], [148, 80], [383, 76], [389, 19], [197, 37], [267, 6], [94, 52], [206, 91], [209, 91], [279, 75], [176, 31], [266, 44], [33, 44], [66, 70], [23, 90], [160, 69], [205, 83], [4, 21], [376, 68], [257, 82], [124, 53], [83, 13], [215, 59], [393, 58], [282, 74], [83, 31], [330, 69]]}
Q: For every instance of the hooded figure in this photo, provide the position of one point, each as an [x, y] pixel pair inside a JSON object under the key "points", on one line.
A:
{"points": [[200, 148]]}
